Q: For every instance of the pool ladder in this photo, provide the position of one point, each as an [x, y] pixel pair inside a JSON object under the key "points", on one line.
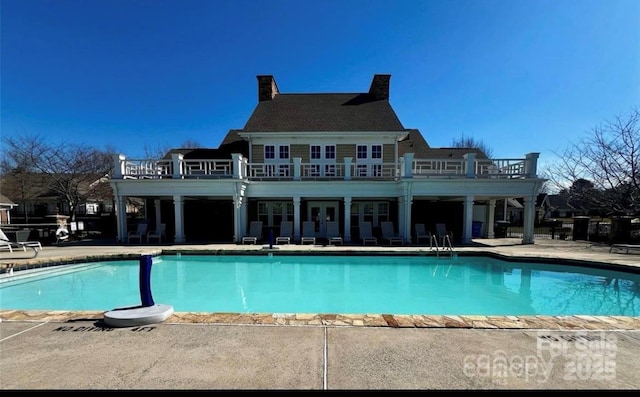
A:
{"points": [[446, 244]]}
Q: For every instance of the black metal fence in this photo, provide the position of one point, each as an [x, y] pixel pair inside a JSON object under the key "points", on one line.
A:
{"points": [[615, 230]]}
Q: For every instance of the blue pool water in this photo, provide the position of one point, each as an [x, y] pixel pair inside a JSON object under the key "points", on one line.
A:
{"points": [[332, 284]]}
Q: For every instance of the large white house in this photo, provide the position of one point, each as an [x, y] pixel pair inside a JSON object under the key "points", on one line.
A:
{"points": [[322, 157]]}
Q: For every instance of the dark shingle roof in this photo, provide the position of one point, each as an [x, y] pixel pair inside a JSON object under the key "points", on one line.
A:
{"points": [[413, 142], [323, 112], [455, 153]]}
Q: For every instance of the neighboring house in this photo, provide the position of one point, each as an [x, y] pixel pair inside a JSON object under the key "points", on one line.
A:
{"points": [[516, 209], [323, 157], [558, 206], [39, 204], [6, 206]]}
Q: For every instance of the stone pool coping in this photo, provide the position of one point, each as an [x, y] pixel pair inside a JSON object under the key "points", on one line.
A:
{"points": [[577, 322]]}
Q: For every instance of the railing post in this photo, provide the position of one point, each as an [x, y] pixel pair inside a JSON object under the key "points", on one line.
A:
{"points": [[119, 166], [470, 162], [347, 168], [176, 158], [296, 168], [406, 165], [236, 165], [531, 165]]}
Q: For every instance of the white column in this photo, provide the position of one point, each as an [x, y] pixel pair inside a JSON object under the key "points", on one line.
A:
{"points": [[156, 205], [179, 218], [238, 218], [467, 219], [531, 165], [236, 165], [401, 214], [408, 165], [297, 165], [504, 211], [347, 220], [470, 163], [529, 216], [347, 168], [491, 218], [119, 161], [176, 159], [407, 219], [121, 218], [296, 218]]}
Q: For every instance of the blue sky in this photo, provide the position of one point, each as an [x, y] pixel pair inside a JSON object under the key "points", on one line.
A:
{"points": [[521, 76]]}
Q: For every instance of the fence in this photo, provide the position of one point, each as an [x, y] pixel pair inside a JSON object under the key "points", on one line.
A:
{"points": [[597, 231]]}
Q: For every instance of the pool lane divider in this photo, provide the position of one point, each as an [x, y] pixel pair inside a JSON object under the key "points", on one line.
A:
{"points": [[148, 312]]}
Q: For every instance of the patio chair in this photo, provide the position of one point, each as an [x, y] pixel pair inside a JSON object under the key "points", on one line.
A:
{"points": [[139, 234], [157, 234], [366, 234], [255, 233], [421, 232], [308, 232], [388, 233], [21, 241], [333, 233], [286, 231]]}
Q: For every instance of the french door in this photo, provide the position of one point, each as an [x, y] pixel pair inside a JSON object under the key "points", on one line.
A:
{"points": [[321, 212]]}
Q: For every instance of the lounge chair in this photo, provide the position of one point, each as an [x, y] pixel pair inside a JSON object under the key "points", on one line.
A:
{"points": [[157, 234], [286, 231], [255, 233], [388, 233], [366, 235], [624, 247], [421, 232], [308, 232], [333, 233], [139, 234], [21, 241]]}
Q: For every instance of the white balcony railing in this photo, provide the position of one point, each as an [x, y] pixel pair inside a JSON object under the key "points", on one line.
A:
{"points": [[407, 167]]}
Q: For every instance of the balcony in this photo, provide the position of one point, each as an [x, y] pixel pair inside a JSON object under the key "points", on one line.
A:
{"points": [[407, 167]]}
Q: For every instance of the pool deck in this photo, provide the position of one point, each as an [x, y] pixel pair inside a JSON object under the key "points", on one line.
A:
{"points": [[75, 350]]}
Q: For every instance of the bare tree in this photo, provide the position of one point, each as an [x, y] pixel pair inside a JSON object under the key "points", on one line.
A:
{"points": [[606, 165], [20, 181], [75, 172], [470, 142]]}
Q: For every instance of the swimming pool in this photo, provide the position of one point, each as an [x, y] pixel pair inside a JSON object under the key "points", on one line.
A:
{"points": [[331, 284]]}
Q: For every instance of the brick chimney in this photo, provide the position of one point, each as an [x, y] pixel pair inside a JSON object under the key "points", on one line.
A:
{"points": [[267, 88], [380, 86]]}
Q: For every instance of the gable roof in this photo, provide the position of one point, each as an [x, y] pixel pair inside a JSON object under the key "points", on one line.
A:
{"points": [[6, 202], [337, 112]]}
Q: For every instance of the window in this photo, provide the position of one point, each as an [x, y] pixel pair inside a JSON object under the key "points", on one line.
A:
{"points": [[269, 152], [271, 213], [330, 152], [376, 151], [315, 152], [362, 151], [374, 212], [284, 152]]}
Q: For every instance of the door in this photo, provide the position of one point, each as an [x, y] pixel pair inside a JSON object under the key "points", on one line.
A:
{"points": [[321, 212]]}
